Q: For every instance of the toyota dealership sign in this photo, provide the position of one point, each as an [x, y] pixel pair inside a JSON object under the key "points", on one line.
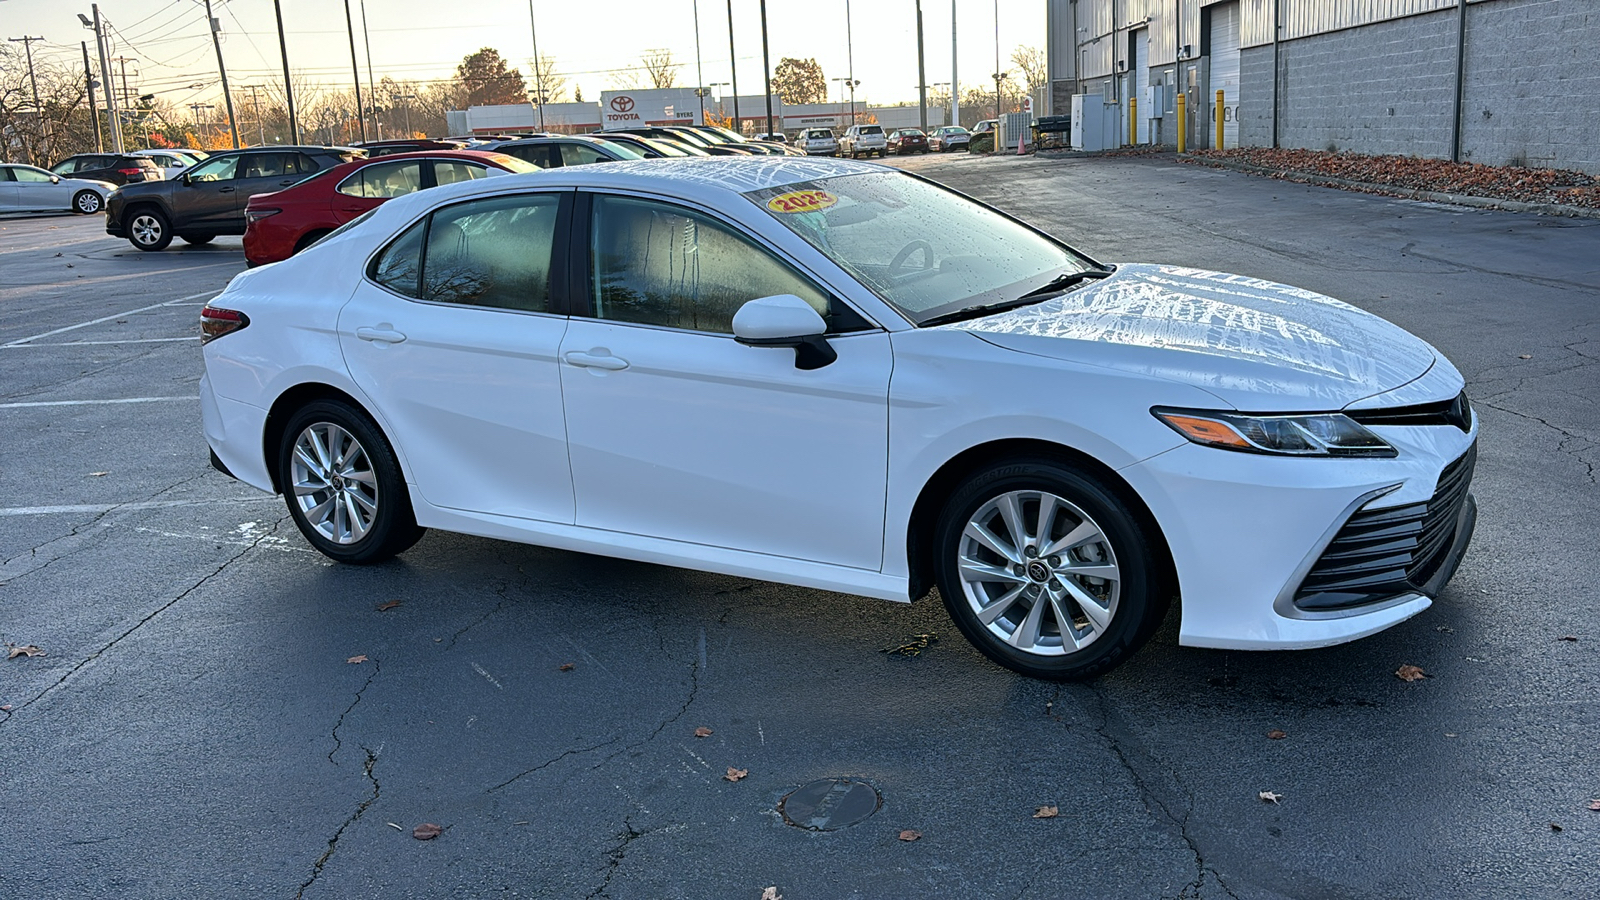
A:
{"points": [[669, 106]]}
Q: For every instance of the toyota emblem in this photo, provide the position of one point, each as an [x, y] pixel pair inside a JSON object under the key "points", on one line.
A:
{"points": [[622, 104]]}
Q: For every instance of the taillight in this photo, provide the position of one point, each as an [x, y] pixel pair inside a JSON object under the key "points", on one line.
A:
{"points": [[130, 171], [216, 322], [256, 215]]}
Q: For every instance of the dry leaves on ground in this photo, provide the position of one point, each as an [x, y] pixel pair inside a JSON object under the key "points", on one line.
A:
{"points": [[771, 893], [702, 731], [1277, 734], [566, 667], [1269, 797], [1046, 812], [915, 646], [385, 607], [1410, 673], [735, 774], [13, 651], [1555, 827], [910, 834], [427, 831], [357, 659]]}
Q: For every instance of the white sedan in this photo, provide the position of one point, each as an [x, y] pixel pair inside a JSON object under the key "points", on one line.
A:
{"points": [[841, 376], [32, 189]]}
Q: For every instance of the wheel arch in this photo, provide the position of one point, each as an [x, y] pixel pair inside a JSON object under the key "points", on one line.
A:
{"points": [[133, 208], [283, 409], [309, 238], [925, 511]]}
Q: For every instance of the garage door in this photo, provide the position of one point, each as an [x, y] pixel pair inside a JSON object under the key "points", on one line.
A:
{"points": [[1225, 70], [1141, 81]]}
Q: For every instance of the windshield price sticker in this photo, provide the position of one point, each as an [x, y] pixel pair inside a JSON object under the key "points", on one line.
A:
{"points": [[801, 202]]}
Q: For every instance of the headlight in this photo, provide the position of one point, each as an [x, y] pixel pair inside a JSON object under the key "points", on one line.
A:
{"points": [[1325, 434]]}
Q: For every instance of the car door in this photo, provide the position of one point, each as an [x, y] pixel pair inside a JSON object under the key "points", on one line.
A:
{"points": [[205, 198], [37, 189], [265, 172], [679, 431], [453, 335], [367, 187]]}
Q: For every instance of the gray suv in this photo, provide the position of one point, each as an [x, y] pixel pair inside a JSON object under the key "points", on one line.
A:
{"points": [[210, 198], [863, 140]]}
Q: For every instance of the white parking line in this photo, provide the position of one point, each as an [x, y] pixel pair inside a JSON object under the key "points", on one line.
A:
{"points": [[108, 507], [93, 402], [108, 318], [192, 337]]}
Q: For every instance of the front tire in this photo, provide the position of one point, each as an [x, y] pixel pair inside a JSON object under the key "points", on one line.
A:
{"points": [[1047, 571], [343, 484], [149, 229], [87, 202]]}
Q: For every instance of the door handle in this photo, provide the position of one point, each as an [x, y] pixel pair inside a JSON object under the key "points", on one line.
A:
{"points": [[382, 335], [226, 190], [599, 360]]}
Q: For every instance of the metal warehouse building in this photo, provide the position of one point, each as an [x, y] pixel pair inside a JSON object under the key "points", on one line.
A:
{"points": [[1491, 81]]}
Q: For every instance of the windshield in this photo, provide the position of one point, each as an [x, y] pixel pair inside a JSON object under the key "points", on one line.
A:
{"points": [[925, 250]]}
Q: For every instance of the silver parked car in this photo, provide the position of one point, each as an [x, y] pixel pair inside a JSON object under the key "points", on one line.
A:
{"points": [[32, 189], [819, 142]]}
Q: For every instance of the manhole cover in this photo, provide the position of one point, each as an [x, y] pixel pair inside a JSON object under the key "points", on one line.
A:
{"points": [[829, 804]]}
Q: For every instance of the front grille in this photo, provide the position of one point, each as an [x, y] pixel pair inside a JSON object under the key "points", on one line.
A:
{"points": [[1380, 553], [1457, 412]]}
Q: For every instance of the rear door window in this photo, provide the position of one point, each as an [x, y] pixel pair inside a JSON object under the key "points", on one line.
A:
{"points": [[384, 180], [449, 171]]}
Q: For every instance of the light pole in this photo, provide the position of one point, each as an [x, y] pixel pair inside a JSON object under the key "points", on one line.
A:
{"points": [[850, 60], [538, 69], [105, 76], [733, 64], [355, 69], [288, 86], [766, 64]]}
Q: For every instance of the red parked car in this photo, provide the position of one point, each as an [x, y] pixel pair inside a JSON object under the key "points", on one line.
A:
{"points": [[907, 140], [281, 224]]}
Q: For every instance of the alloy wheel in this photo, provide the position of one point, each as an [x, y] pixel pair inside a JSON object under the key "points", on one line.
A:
{"points": [[146, 229], [333, 482], [88, 202], [1038, 573]]}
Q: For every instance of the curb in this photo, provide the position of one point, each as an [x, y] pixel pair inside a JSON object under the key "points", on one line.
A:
{"points": [[1519, 206]]}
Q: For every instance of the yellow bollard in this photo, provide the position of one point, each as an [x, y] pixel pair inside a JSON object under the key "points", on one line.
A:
{"points": [[1133, 120], [1181, 123], [1219, 120]]}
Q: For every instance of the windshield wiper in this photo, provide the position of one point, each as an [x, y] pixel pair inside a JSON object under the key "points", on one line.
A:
{"points": [[1056, 285]]}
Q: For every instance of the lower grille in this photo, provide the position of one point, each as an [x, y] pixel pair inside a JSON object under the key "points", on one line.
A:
{"points": [[1384, 552]]}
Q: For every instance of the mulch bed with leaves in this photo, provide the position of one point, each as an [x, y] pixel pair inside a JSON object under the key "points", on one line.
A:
{"points": [[1375, 174]]}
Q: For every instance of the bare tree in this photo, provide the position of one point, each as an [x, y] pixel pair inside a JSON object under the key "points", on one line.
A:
{"points": [[552, 82], [1031, 60], [659, 67], [24, 128]]}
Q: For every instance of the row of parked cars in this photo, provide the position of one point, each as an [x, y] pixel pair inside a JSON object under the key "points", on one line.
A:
{"points": [[83, 182], [867, 140]]}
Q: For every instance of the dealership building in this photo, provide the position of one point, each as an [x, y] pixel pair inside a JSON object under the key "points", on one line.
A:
{"points": [[1489, 81], [681, 106]]}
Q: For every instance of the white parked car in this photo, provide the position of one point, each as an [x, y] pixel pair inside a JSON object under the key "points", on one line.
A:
{"points": [[834, 375], [863, 140], [32, 189], [172, 163], [818, 142]]}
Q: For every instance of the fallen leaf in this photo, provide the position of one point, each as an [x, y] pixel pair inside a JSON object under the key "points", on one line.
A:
{"points": [[1277, 735], [771, 893], [913, 647], [1554, 827], [1046, 812], [6, 708], [1525, 356], [98, 474], [735, 774], [910, 834], [565, 667], [357, 659], [385, 607], [427, 831], [1269, 797], [702, 731], [25, 650], [394, 826], [1593, 804], [1410, 673], [1568, 637]]}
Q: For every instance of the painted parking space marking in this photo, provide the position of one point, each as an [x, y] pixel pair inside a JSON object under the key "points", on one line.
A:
{"points": [[96, 508], [93, 402], [109, 318], [170, 340]]}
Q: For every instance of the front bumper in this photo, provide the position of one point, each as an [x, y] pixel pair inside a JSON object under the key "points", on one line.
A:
{"points": [[1246, 530]]}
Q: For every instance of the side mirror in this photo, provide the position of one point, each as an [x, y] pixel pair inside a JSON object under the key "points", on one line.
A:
{"points": [[184, 178], [785, 320], [55, 179]]}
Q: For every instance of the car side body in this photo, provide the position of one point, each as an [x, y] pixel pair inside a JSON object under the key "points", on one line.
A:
{"points": [[26, 188], [118, 169]]}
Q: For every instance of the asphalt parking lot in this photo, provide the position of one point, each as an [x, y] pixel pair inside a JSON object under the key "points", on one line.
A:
{"points": [[220, 712]]}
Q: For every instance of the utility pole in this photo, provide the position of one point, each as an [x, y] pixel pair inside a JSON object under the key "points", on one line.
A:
{"points": [[699, 69], [355, 69], [997, 73], [227, 98], [38, 108], [122, 64], [850, 61], [105, 79], [288, 87], [955, 82], [766, 64], [372, 84], [733, 63], [94, 112], [255, 105], [538, 69], [922, 73]]}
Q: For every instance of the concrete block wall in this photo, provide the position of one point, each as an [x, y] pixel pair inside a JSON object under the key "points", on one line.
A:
{"points": [[1532, 86]]}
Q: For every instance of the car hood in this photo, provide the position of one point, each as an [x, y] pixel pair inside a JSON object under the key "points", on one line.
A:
{"points": [[1256, 345]]}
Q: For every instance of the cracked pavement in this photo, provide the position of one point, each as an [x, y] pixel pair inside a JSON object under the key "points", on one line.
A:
{"points": [[195, 729]]}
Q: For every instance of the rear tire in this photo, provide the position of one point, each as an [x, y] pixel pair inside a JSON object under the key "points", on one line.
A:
{"points": [[87, 203], [343, 484], [308, 239], [1047, 571], [149, 229]]}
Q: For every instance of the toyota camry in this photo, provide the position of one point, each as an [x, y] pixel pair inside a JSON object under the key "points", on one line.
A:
{"points": [[841, 376]]}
